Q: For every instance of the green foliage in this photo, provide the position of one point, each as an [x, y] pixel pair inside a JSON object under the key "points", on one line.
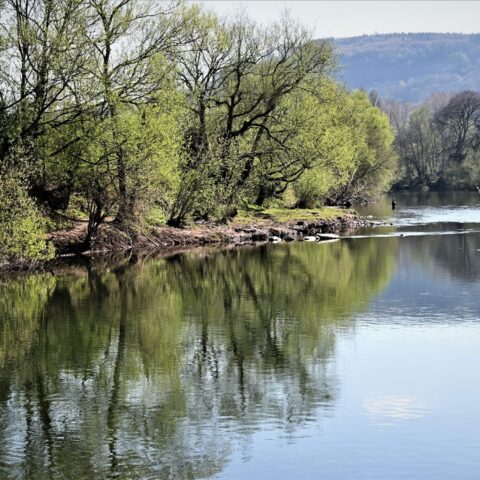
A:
{"points": [[288, 214], [314, 187], [350, 148], [376, 159], [168, 111], [150, 141], [22, 226]]}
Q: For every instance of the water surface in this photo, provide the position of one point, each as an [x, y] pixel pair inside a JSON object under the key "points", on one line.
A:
{"points": [[357, 359]]}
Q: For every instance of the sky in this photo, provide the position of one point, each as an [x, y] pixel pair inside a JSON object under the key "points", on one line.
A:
{"points": [[350, 18]]}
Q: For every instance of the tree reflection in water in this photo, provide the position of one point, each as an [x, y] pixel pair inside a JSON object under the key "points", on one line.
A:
{"points": [[158, 369]]}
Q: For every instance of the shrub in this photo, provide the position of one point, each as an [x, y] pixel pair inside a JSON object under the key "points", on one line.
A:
{"points": [[22, 226]]}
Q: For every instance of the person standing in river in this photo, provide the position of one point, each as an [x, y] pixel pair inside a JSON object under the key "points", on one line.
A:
{"points": [[394, 204]]}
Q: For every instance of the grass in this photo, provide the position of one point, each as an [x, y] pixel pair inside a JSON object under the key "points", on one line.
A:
{"points": [[290, 214]]}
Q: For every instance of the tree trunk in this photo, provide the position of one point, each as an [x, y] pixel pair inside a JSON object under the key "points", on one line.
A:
{"points": [[261, 197], [123, 207]]}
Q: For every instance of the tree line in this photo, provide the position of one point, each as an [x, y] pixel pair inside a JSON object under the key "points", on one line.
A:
{"points": [[138, 113], [438, 141]]}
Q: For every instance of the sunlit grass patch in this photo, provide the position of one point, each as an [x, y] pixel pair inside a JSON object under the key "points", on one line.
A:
{"points": [[291, 214]]}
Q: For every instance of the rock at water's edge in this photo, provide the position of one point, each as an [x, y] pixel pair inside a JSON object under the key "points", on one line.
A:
{"points": [[327, 236]]}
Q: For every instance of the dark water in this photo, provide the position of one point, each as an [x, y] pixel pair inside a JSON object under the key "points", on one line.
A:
{"points": [[357, 359]]}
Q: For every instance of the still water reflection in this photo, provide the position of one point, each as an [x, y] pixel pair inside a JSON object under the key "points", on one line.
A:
{"points": [[354, 359]]}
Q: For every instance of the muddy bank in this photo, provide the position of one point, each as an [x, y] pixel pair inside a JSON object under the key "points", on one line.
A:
{"points": [[111, 239]]}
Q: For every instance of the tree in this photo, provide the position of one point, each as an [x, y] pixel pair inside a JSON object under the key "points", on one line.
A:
{"points": [[422, 154], [22, 226], [375, 99], [126, 38], [117, 108], [438, 143], [351, 146], [45, 53], [459, 124], [150, 139], [237, 77], [377, 160]]}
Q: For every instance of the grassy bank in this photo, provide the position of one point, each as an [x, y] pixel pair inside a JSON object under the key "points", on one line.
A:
{"points": [[287, 215]]}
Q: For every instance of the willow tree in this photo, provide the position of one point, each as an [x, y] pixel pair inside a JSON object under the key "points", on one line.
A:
{"points": [[237, 76], [350, 145], [150, 140], [125, 144], [375, 160], [126, 39]]}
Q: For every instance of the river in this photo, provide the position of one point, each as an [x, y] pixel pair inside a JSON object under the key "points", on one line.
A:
{"points": [[354, 359]]}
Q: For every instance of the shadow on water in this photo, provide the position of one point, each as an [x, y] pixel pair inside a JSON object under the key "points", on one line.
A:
{"points": [[159, 369], [457, 255], [443, 229]]}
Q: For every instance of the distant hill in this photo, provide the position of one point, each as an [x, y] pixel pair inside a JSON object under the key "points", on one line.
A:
{"points": [[411, 66]]}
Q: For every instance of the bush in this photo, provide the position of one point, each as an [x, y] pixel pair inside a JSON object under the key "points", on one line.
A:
{"points": [[312, 187], [22, 226]]}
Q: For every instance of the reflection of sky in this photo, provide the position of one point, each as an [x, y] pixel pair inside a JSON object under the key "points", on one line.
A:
{"points": [[381, 407], [409, 409], [423, 216]]}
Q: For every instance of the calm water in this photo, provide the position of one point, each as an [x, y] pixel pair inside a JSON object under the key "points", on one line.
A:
{"points": [[357, 359]]}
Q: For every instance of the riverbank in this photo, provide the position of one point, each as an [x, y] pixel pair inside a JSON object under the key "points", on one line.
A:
{"points": [[247, 228], [251, 227]]}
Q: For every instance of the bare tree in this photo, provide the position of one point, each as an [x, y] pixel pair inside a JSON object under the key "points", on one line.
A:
{"points": [[459, 123], [41, 59]]}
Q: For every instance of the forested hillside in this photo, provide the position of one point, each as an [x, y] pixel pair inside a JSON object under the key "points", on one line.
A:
{"points": [[410, 67]]}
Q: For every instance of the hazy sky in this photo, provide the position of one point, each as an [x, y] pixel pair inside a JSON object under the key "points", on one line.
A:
{"points": [[348, 18]]}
